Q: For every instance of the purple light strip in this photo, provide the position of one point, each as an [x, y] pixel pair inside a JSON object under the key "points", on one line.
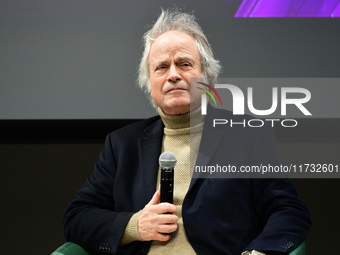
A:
{"points": [[336, 12], [289, 8], [245, 8], [320, 8], [275, 8]]}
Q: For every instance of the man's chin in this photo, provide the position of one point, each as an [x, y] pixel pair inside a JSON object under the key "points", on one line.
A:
{"points": [[177, 108], [178, 102]]}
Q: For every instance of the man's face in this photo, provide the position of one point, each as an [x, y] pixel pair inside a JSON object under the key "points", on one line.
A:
{"points": [[173, 60]]}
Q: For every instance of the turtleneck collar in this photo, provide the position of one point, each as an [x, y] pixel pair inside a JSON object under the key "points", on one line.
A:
{"points": [[192, 118]]}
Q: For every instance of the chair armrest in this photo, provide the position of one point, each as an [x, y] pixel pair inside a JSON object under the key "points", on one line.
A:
{"points": [[70, 249], [300, 250]]}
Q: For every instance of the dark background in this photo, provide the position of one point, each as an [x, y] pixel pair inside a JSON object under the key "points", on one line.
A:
{"points": [[46, 158]]}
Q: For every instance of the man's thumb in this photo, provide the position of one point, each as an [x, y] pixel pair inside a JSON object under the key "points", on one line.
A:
{"points": [[156, 197]]}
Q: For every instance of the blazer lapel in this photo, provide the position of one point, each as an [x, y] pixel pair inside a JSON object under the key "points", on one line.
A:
{"points": [[211, 137], [149, 148]]}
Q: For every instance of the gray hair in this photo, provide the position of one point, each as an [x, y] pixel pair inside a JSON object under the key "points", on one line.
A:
{"points": [[184, 22]]}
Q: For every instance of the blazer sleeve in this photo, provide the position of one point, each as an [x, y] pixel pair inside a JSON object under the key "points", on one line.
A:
{"points": [[91, 220], [284, 217]]}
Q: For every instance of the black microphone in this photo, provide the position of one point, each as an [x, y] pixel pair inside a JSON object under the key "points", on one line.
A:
{"points": [[167, 161]]}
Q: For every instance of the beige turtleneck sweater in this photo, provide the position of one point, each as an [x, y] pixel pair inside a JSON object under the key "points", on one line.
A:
{"points": [[182, 136]]}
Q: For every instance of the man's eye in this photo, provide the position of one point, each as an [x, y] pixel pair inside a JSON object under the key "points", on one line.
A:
{"points": [[161, 67]]}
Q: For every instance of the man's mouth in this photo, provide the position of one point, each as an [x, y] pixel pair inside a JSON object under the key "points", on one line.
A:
{"points": [[176, 89]]}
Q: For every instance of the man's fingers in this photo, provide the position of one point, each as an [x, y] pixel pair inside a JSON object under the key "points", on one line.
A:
{"points": [[161, 237], [156, 197], [164, 208], [167, 219], [167, 229], [157, 220]]}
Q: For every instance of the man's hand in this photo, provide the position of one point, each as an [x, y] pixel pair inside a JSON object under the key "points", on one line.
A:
{"points": [[154, 223]]}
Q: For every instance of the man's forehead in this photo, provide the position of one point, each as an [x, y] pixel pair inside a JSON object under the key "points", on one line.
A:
{"points": [[163, 54]]}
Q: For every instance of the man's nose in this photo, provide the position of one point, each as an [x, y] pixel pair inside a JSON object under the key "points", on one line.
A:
{"points": [[174, 75]]}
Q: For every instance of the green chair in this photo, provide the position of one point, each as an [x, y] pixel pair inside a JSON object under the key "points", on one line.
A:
{"points": [[300, 250], [74, 249], [70, 249]]}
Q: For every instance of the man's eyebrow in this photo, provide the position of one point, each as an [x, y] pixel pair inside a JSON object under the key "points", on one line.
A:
{"points": [[163, 62], [185, 60]]}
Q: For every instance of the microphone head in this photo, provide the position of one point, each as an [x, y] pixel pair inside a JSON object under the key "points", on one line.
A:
{"points": [[167, 160]]}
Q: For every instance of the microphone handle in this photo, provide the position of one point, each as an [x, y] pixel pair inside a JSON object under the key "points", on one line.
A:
{"points": [[167, 185]]}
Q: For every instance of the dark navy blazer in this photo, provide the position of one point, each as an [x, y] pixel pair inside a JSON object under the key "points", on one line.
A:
{"points": [[220, 215]]}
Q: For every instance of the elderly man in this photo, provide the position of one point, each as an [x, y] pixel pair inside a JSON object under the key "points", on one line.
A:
{"points": [[118, 210]]}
